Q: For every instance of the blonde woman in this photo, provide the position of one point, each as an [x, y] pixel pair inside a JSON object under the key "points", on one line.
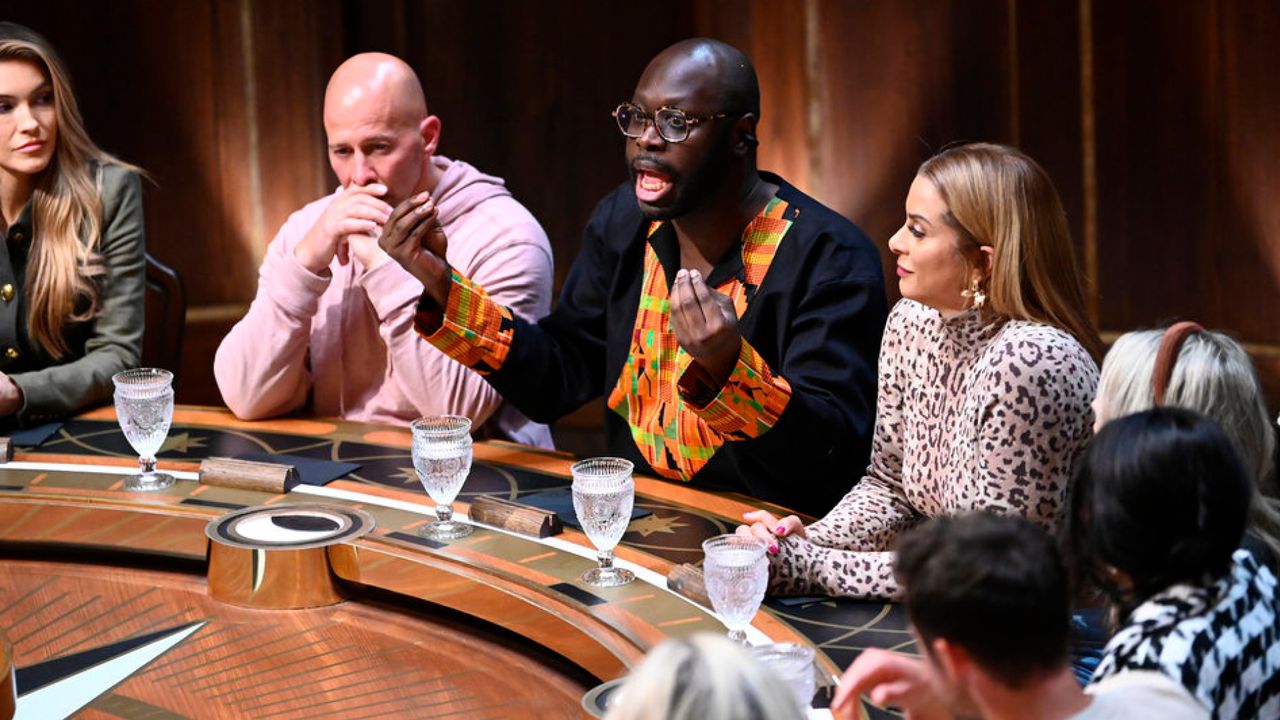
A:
{"points": [[72, 269], [702, 677], [1208, 372], [987, 369]]}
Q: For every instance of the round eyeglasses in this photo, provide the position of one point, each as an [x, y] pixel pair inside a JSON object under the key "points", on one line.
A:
{"points": [[672, 123]]}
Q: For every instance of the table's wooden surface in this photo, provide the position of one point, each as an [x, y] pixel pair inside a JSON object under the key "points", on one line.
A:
{"points": [[60, 495]]}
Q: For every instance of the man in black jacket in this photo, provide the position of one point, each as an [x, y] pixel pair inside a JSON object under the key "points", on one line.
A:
{"points": [[730, 321]]}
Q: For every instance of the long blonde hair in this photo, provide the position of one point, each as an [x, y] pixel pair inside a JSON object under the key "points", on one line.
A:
{"points": [[703, 677], [63, 272], [1213, 376], [1002, 199]]}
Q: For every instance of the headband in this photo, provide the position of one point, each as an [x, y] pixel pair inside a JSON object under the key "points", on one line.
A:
{"points": [[1167, 356]]}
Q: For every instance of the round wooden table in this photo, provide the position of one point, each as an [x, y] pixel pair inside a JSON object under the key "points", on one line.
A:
{"points": [[105, 596]]}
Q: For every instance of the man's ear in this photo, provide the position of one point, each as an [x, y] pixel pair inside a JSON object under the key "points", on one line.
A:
{"points": [[954, 660], [429, 129], [745, 133]]}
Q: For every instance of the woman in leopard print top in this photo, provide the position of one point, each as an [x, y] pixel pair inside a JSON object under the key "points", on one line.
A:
{"points": [[987, 370]]}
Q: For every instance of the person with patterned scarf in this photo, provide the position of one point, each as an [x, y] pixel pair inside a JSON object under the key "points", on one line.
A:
{"points": [[1158, 512]]}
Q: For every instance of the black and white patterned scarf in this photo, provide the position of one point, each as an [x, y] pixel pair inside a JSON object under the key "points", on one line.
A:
{"points": [[1220, 641]]}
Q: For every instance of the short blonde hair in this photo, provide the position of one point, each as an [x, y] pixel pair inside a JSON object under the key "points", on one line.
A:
{"points": [[703, 677], [1212, 376]]}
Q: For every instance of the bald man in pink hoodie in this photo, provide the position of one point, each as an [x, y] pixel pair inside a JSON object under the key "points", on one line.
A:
{"points": [[331, 327]]}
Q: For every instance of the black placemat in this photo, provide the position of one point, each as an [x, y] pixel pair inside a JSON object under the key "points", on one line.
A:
{"points": [[560, 502], [34, 436], [311, 471]]}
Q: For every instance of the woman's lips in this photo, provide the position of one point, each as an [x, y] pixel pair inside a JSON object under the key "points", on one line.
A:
{"points": [[903, 272]]}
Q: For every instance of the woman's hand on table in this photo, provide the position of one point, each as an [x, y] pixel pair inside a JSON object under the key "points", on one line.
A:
{"points": [[762, 525], [890, 679]]}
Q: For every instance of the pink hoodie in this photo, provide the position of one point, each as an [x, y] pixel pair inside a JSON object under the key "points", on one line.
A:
{"points": [[347, 336]]}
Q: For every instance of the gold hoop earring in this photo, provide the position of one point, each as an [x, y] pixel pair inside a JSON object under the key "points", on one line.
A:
{"points": [[977, 298]]}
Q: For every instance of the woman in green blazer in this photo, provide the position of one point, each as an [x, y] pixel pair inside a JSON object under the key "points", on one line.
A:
{"points": [[72, 264]]}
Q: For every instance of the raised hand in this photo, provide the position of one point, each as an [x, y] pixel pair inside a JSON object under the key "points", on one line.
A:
{"points": [[358, 212], [706, 324], [412, 237], [891, 679]]}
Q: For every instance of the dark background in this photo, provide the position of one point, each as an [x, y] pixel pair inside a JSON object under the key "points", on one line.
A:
{"points": [[1159, 120]]}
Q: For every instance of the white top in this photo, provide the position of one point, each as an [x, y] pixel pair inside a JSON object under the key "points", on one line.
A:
{"points": [[1141, 693]]}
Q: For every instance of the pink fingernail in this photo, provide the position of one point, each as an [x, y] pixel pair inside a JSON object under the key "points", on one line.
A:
{"points": [[781, 530], [773, 549]]}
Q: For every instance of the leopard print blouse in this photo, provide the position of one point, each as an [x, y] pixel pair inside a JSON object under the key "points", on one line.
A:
{"points": [[972, 414]]}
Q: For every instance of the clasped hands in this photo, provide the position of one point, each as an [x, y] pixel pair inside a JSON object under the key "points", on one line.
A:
{"points": [[359, 222], [350, 225]]}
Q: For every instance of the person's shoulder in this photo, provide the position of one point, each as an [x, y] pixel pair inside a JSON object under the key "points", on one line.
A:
{"points": [[812, 212], [1146, 693], [821, 229], [1028, 338], [502, 217], [117, 178], [910, 314], [1037, 354], [117, 185], [909, 325]]}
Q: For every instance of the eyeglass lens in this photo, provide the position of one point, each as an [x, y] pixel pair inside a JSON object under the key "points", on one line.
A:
{"points": [[672, 124]]}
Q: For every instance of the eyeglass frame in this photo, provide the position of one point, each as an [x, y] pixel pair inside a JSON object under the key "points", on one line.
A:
{"points": [[650, 118]]}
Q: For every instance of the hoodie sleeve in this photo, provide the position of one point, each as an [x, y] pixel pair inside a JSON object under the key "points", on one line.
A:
{"points": [[261, 365]]}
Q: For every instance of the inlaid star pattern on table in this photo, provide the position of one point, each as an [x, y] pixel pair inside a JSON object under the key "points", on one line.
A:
{"points": [[182, 442], [407, 476], [656, 523]]}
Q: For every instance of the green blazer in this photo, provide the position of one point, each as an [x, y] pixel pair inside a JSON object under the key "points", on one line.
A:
{"points": [[101, 347]]}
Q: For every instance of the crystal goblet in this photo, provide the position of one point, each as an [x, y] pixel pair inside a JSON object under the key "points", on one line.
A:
{"points": [[144, 407], [442, 458], [736, 572], [793, 664], [603, 495]]}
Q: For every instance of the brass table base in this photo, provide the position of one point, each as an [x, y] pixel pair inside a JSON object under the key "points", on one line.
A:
{"points": [[283, 556]]}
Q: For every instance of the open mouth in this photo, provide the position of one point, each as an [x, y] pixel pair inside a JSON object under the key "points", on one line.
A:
{"points": [[651, 185]]}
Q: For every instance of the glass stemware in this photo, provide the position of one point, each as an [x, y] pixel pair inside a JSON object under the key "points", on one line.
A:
{"points": [[793, 664], [144, 407], [442, 458], [603, 495], [736, 572]]}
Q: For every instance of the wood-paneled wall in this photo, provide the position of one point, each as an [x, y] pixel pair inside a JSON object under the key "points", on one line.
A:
{"points": [[1157, 120]]}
